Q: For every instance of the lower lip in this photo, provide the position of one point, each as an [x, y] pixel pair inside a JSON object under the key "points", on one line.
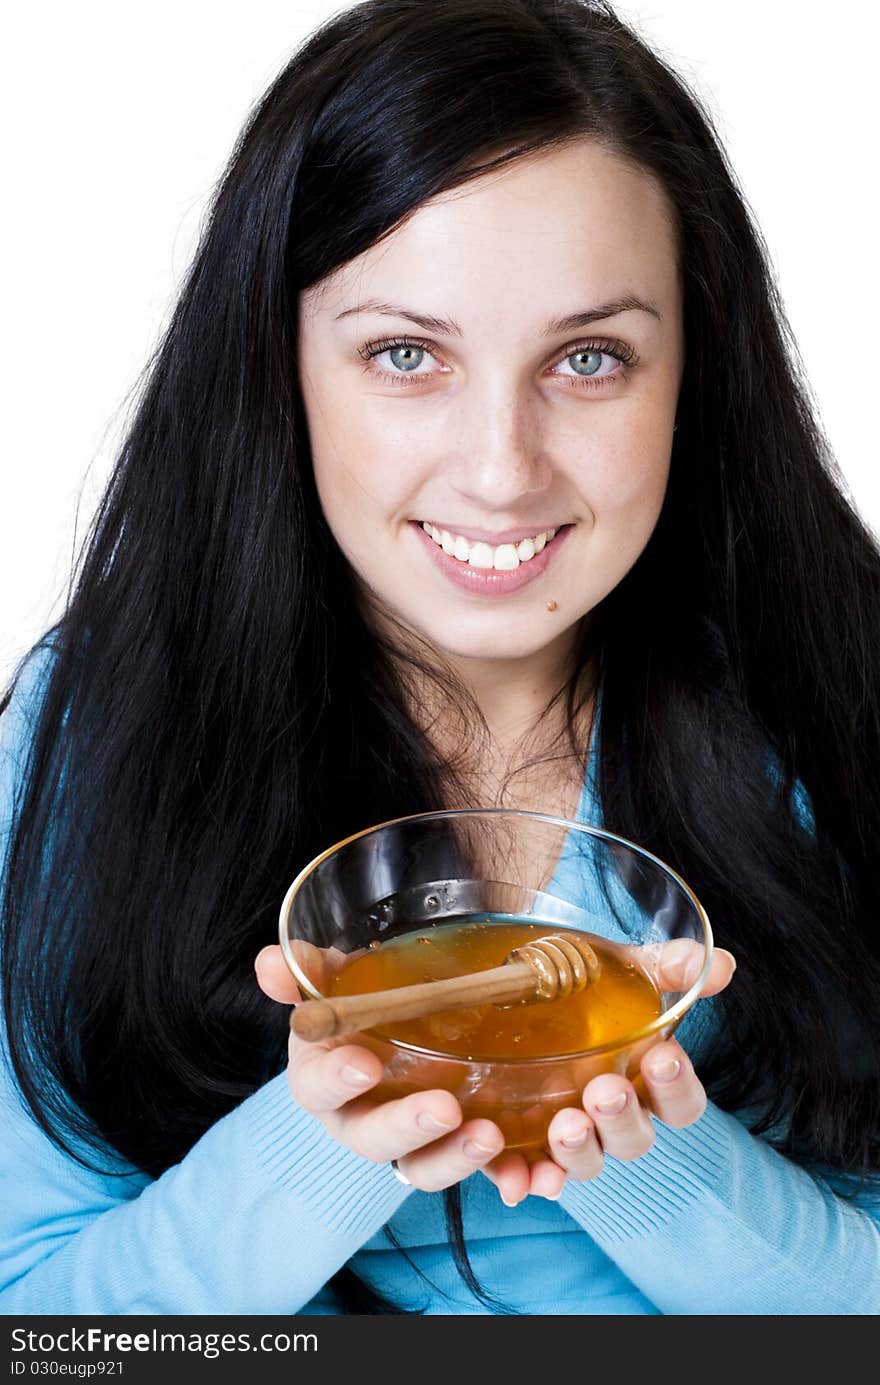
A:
{"points": [[485, 581]]}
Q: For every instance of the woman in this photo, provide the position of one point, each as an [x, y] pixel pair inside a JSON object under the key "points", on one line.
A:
{"points": [[425, 330]]}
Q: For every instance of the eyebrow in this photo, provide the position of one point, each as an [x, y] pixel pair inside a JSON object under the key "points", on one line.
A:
{"points": [[445, 326]]}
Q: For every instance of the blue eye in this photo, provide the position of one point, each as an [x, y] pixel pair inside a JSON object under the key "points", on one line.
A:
{"points": [[406, 358], [599, 363], [586, 362]]}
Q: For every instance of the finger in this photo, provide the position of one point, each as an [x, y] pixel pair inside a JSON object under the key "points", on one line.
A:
{"points": [[624, 1126], [393, 1129], [547, 1179], [528, 1173], [511, 1175], [323, 1077], [574, 1145], [445, 1162], [720, 972], [680, 962], [675, 1093], [273, 976]]}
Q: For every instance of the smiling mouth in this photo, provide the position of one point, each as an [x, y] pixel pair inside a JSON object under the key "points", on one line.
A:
{"points": [[505, 557]]}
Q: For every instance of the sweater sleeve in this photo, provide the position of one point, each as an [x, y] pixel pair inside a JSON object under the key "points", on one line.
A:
{"points": [[714, 1221], [254, 1220]]}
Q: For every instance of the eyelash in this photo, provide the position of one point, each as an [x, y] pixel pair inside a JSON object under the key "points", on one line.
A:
{"points": [[618, 349]]}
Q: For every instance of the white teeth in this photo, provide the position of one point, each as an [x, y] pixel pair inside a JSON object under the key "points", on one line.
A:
{"points": [[505, 558], [481, 555]]}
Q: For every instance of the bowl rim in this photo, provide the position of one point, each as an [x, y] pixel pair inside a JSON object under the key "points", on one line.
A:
{"points": [[671, 1016]]}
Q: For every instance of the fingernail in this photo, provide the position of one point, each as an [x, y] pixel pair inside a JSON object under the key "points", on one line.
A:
{"points": [[515, 1203], [428, 1122], [354, 1077], [474, 1150], [665, 1072], [613, 1106], [573, 1133], [574, 1141]]}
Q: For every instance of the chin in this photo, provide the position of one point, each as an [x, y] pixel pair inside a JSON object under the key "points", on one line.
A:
{"points": [[456, 644]]}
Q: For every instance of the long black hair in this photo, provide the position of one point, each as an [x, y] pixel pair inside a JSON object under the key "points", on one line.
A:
{"points": [[217, 711]]}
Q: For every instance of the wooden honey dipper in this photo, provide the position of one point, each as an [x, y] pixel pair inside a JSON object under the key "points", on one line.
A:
{"points": [[548, 969]]}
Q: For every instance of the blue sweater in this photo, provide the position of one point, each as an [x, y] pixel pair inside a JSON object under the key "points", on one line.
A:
{"points": [[266, 1207]]}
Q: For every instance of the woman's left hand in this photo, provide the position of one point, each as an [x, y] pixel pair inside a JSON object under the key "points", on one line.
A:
{"points": [[614, 1119]]}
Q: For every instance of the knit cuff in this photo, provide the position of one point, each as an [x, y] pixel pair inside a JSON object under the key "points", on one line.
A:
{"points": [[638, 1197], [348, 1193]]}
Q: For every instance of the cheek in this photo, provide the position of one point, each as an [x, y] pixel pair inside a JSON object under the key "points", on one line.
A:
{"points": [[363, 463], [629, 481]]}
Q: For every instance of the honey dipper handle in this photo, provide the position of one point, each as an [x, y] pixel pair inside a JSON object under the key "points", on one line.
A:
{"points": [[325, 1019]]}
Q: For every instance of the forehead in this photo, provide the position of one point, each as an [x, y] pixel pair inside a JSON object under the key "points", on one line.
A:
{"points": [[573, 220]]}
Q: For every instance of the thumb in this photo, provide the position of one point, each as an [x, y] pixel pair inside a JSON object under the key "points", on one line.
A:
{"points": [[681, 961], [274, 978]]}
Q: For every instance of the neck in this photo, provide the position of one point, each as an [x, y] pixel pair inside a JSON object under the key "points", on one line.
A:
{"points": [[513, 722], [513, 695]]}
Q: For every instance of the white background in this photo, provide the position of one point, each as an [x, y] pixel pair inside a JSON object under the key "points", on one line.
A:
{"points": [[118, 119]]}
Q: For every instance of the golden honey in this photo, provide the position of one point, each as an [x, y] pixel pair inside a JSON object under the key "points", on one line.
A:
{"points": [[620, 1001]]}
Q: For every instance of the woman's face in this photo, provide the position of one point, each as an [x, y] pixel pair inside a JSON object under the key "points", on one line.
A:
{"points": [[490, 396]]}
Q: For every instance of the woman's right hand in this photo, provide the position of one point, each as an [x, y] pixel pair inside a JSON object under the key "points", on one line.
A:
{"points": [[424, 1132]]}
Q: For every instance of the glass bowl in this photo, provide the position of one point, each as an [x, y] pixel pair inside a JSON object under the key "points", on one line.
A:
{"points": [[501, 865]]}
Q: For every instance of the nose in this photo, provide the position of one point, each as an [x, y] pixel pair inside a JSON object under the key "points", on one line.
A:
{"points": [[500, 453]]}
